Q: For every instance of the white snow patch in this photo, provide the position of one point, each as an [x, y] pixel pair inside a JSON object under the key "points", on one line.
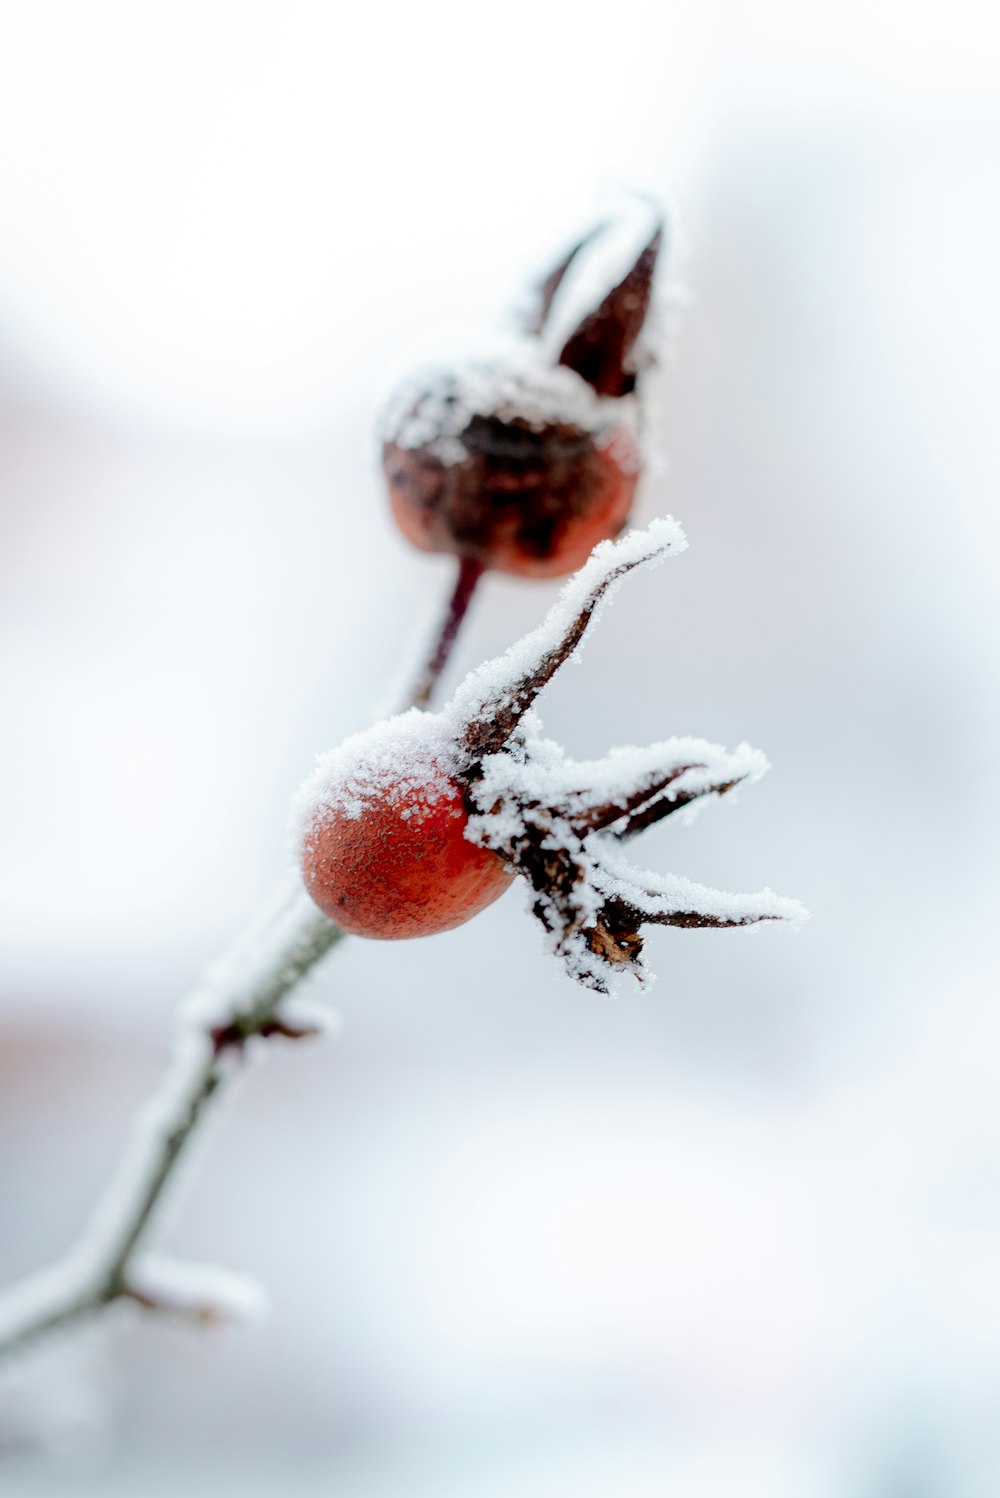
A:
{"points": [[432, 408], [671, 893], [546, 775], [206, 1291], [310, 1015], [412, 754]]}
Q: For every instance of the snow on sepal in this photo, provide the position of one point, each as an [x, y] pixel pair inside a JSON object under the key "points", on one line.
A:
{"points": [[432, 409], [673, 900], [603, 349], [206, 1293], [561, 823], [491, 701], [576, 364], [607, 257], [626, 790]]}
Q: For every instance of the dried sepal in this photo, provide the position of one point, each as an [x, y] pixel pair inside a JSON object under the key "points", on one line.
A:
{"points": [[561, 824], [631, 789], [602, 349], [493, 700], [526, 804]]}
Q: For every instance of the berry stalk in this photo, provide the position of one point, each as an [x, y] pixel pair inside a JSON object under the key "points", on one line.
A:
{"points": [[469, 573]]}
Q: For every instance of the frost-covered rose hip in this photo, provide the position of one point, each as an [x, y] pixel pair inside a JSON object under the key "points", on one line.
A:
{"points": [[524, 463], [419, 823], [382, 831]]}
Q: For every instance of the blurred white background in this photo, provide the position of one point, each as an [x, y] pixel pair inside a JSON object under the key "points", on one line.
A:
{"points": [[733, 1237]]}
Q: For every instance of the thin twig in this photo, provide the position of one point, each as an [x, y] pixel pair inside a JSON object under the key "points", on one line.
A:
{"points": [[469, 573]]}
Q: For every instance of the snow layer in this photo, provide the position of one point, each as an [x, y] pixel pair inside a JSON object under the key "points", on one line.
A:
{"points": [[412, 755], [541, 772], [433, 408]]}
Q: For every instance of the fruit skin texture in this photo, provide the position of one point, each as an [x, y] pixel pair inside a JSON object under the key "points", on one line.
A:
{"points": [[525, 501], [402, 866]]}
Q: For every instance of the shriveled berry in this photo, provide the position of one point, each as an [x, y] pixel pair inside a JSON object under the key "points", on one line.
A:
{"points": [[525, 463], [515, 492], [382, 833]]}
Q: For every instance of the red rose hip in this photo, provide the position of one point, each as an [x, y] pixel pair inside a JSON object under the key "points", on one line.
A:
{"points": [[381, 826]]}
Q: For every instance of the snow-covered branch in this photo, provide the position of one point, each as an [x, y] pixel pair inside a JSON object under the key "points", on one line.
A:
{"points": [[242, 1002], [245, 999]]}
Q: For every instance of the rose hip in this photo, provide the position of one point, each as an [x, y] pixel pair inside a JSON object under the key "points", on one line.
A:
{"points": [[383, 847]]}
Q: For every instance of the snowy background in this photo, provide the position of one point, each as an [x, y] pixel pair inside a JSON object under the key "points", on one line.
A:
{"points": [[734, 1238]]}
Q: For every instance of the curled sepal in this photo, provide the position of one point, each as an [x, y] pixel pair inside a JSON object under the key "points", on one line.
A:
{"points": [[602, 349], [492, 701], [560, 823], [631, 789], [631, 898]]}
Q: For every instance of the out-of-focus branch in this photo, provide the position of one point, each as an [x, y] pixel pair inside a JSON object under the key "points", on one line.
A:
{"points": [[240, 1003], [246, 999]]}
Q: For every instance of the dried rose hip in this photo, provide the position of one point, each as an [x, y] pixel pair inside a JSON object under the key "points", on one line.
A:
{"points": [[526, 494], [384, 851], [525, 466]]}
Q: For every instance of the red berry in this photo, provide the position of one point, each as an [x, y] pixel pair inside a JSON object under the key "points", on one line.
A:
{"points": [[383, 846]]}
